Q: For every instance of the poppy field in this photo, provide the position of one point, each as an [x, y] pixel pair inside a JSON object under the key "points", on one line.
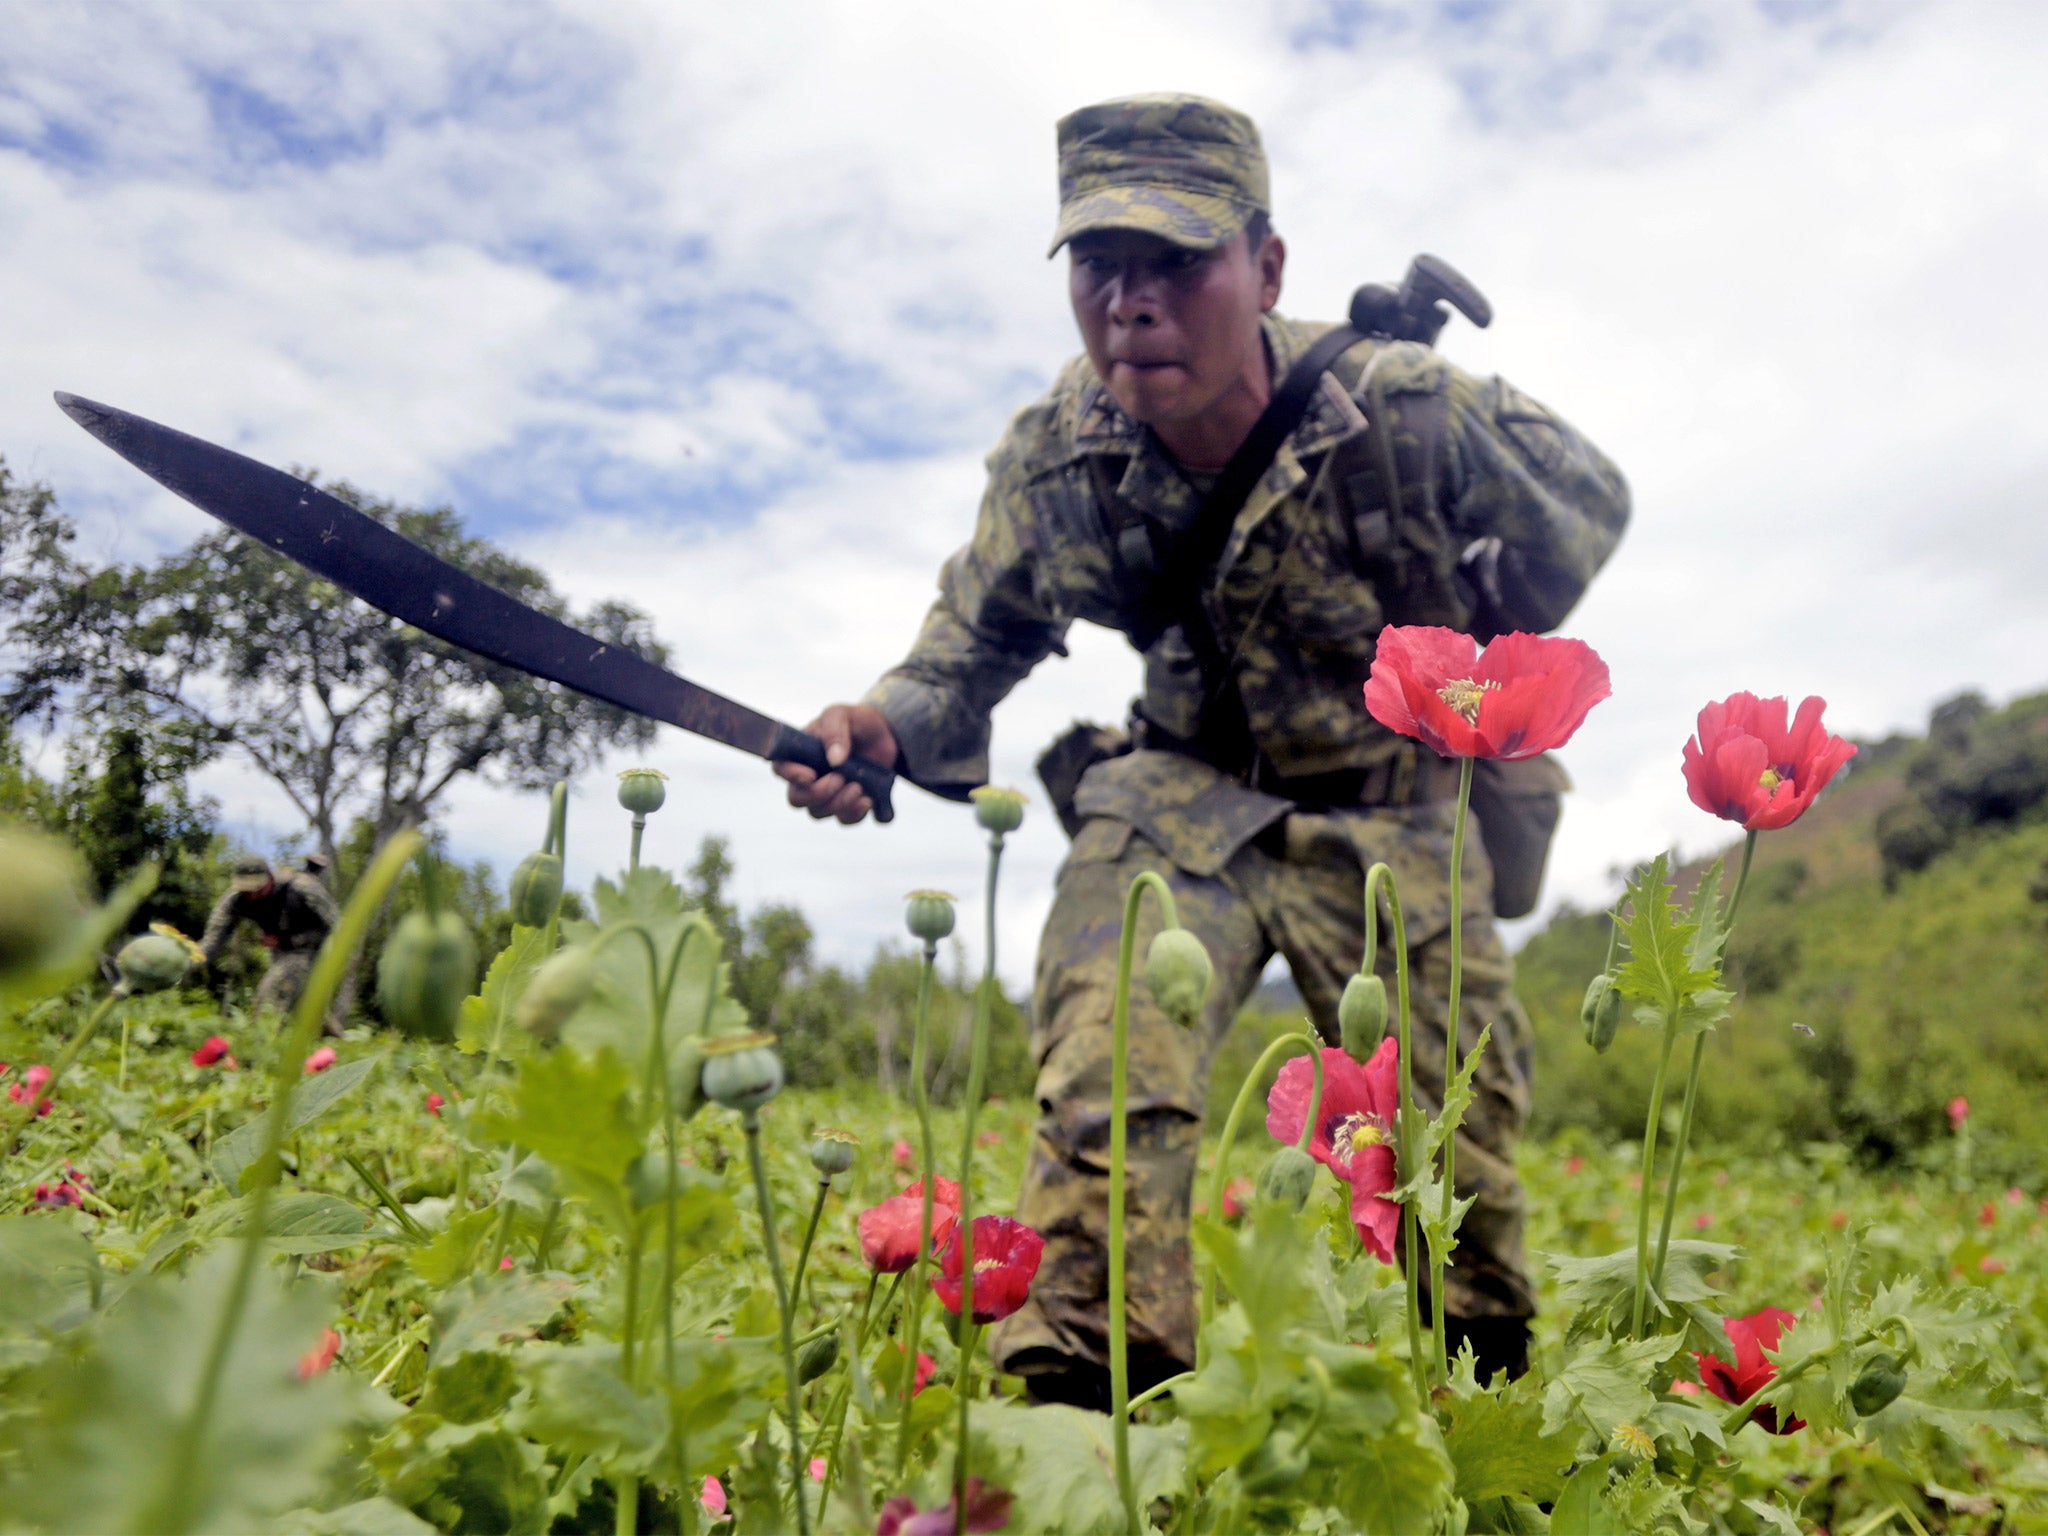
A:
{"points": [[562, 1254]]}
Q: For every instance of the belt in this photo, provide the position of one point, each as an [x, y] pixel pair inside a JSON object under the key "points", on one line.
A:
{"points": [[1413, 775]]}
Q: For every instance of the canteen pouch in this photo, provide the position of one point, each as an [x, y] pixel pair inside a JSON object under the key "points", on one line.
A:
{"points": [[1060, 766], [1517, 805]]}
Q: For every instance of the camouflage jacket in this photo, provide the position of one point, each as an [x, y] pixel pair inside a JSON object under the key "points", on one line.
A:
{"points": [[1317, 563], [297, 912]]}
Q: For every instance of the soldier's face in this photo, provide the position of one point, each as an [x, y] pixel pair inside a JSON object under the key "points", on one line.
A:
{"points": [[1173, 332]]}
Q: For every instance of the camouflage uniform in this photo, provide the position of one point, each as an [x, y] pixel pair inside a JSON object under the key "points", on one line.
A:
{"points": [[1271, 856], [295, 917]]}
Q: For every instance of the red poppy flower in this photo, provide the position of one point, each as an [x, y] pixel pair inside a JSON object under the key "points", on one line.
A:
{"points": [[1745, 765], [1237, 1195], [1525, 695], [434, 1103], [31, 1087], [1006, 1255], [1354, 1133], [316, 1360], [210, 1051], [321, 1059], [889, 1231], [988, 1509], [713, 1498], [1739, 1382], [1958, 1112], [927, 1368]]}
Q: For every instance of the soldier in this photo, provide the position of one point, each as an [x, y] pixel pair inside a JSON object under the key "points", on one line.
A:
{"points": [[294, 913], [1255, 781]]}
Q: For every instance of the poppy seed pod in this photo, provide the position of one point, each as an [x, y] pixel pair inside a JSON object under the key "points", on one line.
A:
{"points": [[152, 962], [1178, 971], [561, 986], [1600, 1013], [1878, 1386], [741, 1072], [536, 887], [1362, 1016], [42, 900], [641, 791], [816, 1358], [428, 967], [647, 1179], [998, 810], [1288, 1178], [832, 1151], [930, 915]]}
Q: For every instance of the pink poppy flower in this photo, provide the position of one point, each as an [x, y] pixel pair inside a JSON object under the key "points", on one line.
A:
{"points": [[1527, 694], [1354, 1132], [1747, 766], [317, 1359], [1006, 1255], [321, 1059], [212, 1050]]}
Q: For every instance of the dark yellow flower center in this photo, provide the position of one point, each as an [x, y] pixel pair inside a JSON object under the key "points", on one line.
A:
{"points": [[1356, 1132], [1463, 695], [1770, 779]]}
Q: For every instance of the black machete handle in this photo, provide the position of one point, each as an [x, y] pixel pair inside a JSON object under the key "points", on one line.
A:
{"points": [[795, 746]]}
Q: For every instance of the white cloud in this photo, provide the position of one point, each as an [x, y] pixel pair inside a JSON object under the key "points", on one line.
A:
{"points": [[717, 312]]}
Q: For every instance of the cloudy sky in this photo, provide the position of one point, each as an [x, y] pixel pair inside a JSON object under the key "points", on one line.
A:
{"points": [[716, 309]]}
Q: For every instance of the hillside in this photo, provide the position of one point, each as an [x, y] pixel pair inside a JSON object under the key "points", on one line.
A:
{"points": [[1891, 955]]}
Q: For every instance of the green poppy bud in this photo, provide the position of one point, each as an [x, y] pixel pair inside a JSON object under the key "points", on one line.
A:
{"points": [[742, 1071], [1178, 971], [647, 1178], [1600, 1013], [998, 810], [832, 1151], [640, 790], [536, 887], [1362, 1017], [1879, 1385], [1288, 1178], [816, 1358], [42, 900], [428, 967], [562, 985], [930, 915], [1274, 1466], [153, 962]]}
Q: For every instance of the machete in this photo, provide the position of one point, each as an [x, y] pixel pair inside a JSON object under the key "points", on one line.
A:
{"points": [[388, 571]]}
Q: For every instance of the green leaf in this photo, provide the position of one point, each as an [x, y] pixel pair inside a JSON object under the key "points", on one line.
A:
{"points": [[575, 1111], [494, 1309], [486, 1019], [1500, 1449], [366, 1517], [311, 1098], [452, 1253], [1580, 1510], [92, 938], [1375, 1455], [467, 1477], [724, 1391], [1660, 972], [98, 1413], [580, 1406], [1605, 1384], [1773, 1515], [469, 1387], [49, 1275], [1603, 1289], [1059, 1464], [303, 1221]]}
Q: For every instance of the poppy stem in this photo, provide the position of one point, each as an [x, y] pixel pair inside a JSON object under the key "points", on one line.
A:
{"points": [[1650, 1124], [750, 1122], [977, 1074], [1452, 1047], [803, 1252], [1692, 1085], [1378, 879], [1220, 1178], [1118, 1324], [921, 1096]]}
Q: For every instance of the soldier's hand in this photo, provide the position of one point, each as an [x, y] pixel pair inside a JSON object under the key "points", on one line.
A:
{"points": [[845, 729]]}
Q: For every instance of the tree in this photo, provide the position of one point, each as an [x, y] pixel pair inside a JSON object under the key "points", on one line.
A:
{"points": [[351, 713]]}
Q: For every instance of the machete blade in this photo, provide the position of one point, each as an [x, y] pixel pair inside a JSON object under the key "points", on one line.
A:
{"points": [[388, 571]]}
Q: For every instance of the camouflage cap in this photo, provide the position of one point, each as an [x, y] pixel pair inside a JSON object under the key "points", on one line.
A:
{"points": [[251, 872], [1185, 168]]}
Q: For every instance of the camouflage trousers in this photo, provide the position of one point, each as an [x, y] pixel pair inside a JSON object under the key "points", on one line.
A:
{"points": [[289, 971], [1299, 891]]}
